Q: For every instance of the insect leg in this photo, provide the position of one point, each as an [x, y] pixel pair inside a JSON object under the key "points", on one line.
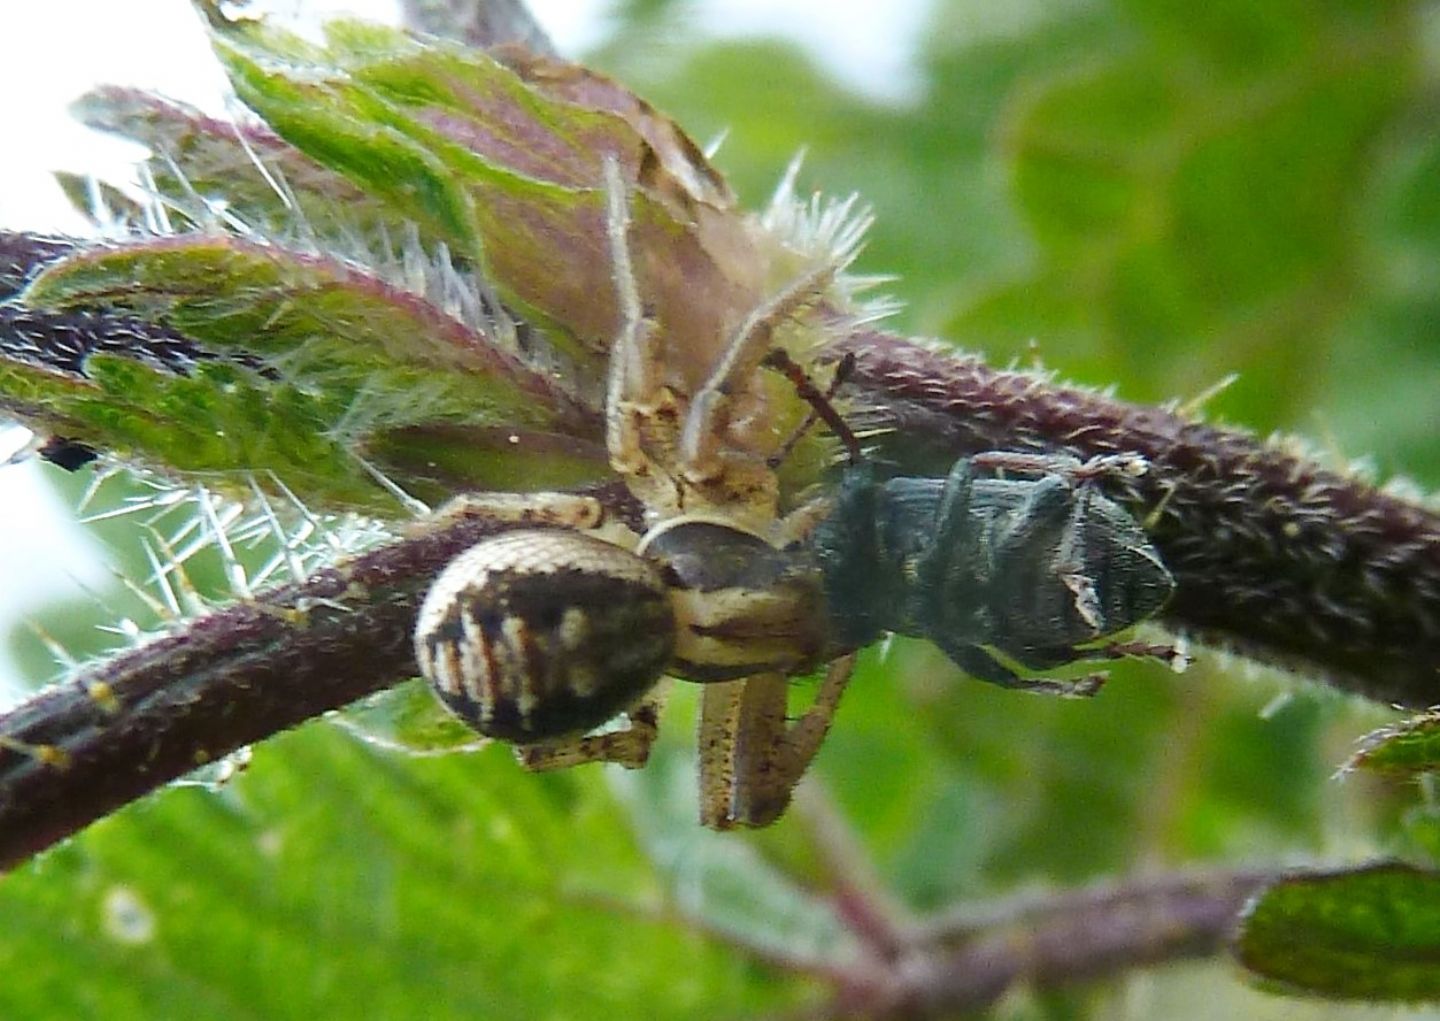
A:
{"points": [[1050, 502], [952, 532], [1070, 564], [979, 664], [1173, 656], [1026, 464], [1065, 465], [821, 406]]}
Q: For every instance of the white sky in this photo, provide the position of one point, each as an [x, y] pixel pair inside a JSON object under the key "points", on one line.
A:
{"points": [[53, 50]]}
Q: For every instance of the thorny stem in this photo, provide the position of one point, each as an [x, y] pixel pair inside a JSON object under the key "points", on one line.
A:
{"points": [[84, 747], [23, 253]]}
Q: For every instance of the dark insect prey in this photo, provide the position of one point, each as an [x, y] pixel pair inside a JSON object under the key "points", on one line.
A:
{"points": [[1036, 567]]}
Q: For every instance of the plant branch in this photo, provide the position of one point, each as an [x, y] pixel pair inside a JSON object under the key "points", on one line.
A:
{"points": [[1057, 940], [130, 724], [965, 958], [23, 254]]}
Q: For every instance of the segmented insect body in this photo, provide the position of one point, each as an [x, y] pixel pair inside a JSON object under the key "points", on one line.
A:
{"points": [[1035, 568]]}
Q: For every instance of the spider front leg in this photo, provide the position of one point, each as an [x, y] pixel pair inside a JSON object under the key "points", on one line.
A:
{"points": [[641, 414], [751, 756]]}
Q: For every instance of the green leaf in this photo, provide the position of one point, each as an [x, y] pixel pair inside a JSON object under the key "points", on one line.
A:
{"points": [[409, 718], [239, 166], [1406, 749], [1371, 933], [457, 887], [304, 361], [325, 321], [507, 163], [1194, 208], [511, 176]]}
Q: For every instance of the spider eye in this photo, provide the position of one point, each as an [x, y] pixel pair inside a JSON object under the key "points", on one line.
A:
{"points": [[534, 635]]}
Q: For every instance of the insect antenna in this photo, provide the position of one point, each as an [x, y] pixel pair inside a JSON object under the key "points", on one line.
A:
{"points": [[821, 404]]}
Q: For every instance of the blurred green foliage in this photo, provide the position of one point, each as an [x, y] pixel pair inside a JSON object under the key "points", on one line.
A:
{"points": [[1136, 193], [1372, 933]]}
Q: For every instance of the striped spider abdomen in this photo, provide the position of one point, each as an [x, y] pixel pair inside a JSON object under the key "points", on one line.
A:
{"points": [[534, 635]]}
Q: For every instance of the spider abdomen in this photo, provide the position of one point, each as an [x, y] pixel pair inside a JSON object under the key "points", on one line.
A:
{"points": [[534, 635]]}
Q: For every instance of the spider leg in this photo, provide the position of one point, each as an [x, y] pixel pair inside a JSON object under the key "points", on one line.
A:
{"points": [[570, 511], [628, 746], [632, 355], [751, 758], [703, 435], [633, 394], [542, 510]]}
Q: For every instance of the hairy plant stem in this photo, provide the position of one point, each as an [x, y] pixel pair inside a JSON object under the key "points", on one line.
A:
{"points": [[125, 726]]}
